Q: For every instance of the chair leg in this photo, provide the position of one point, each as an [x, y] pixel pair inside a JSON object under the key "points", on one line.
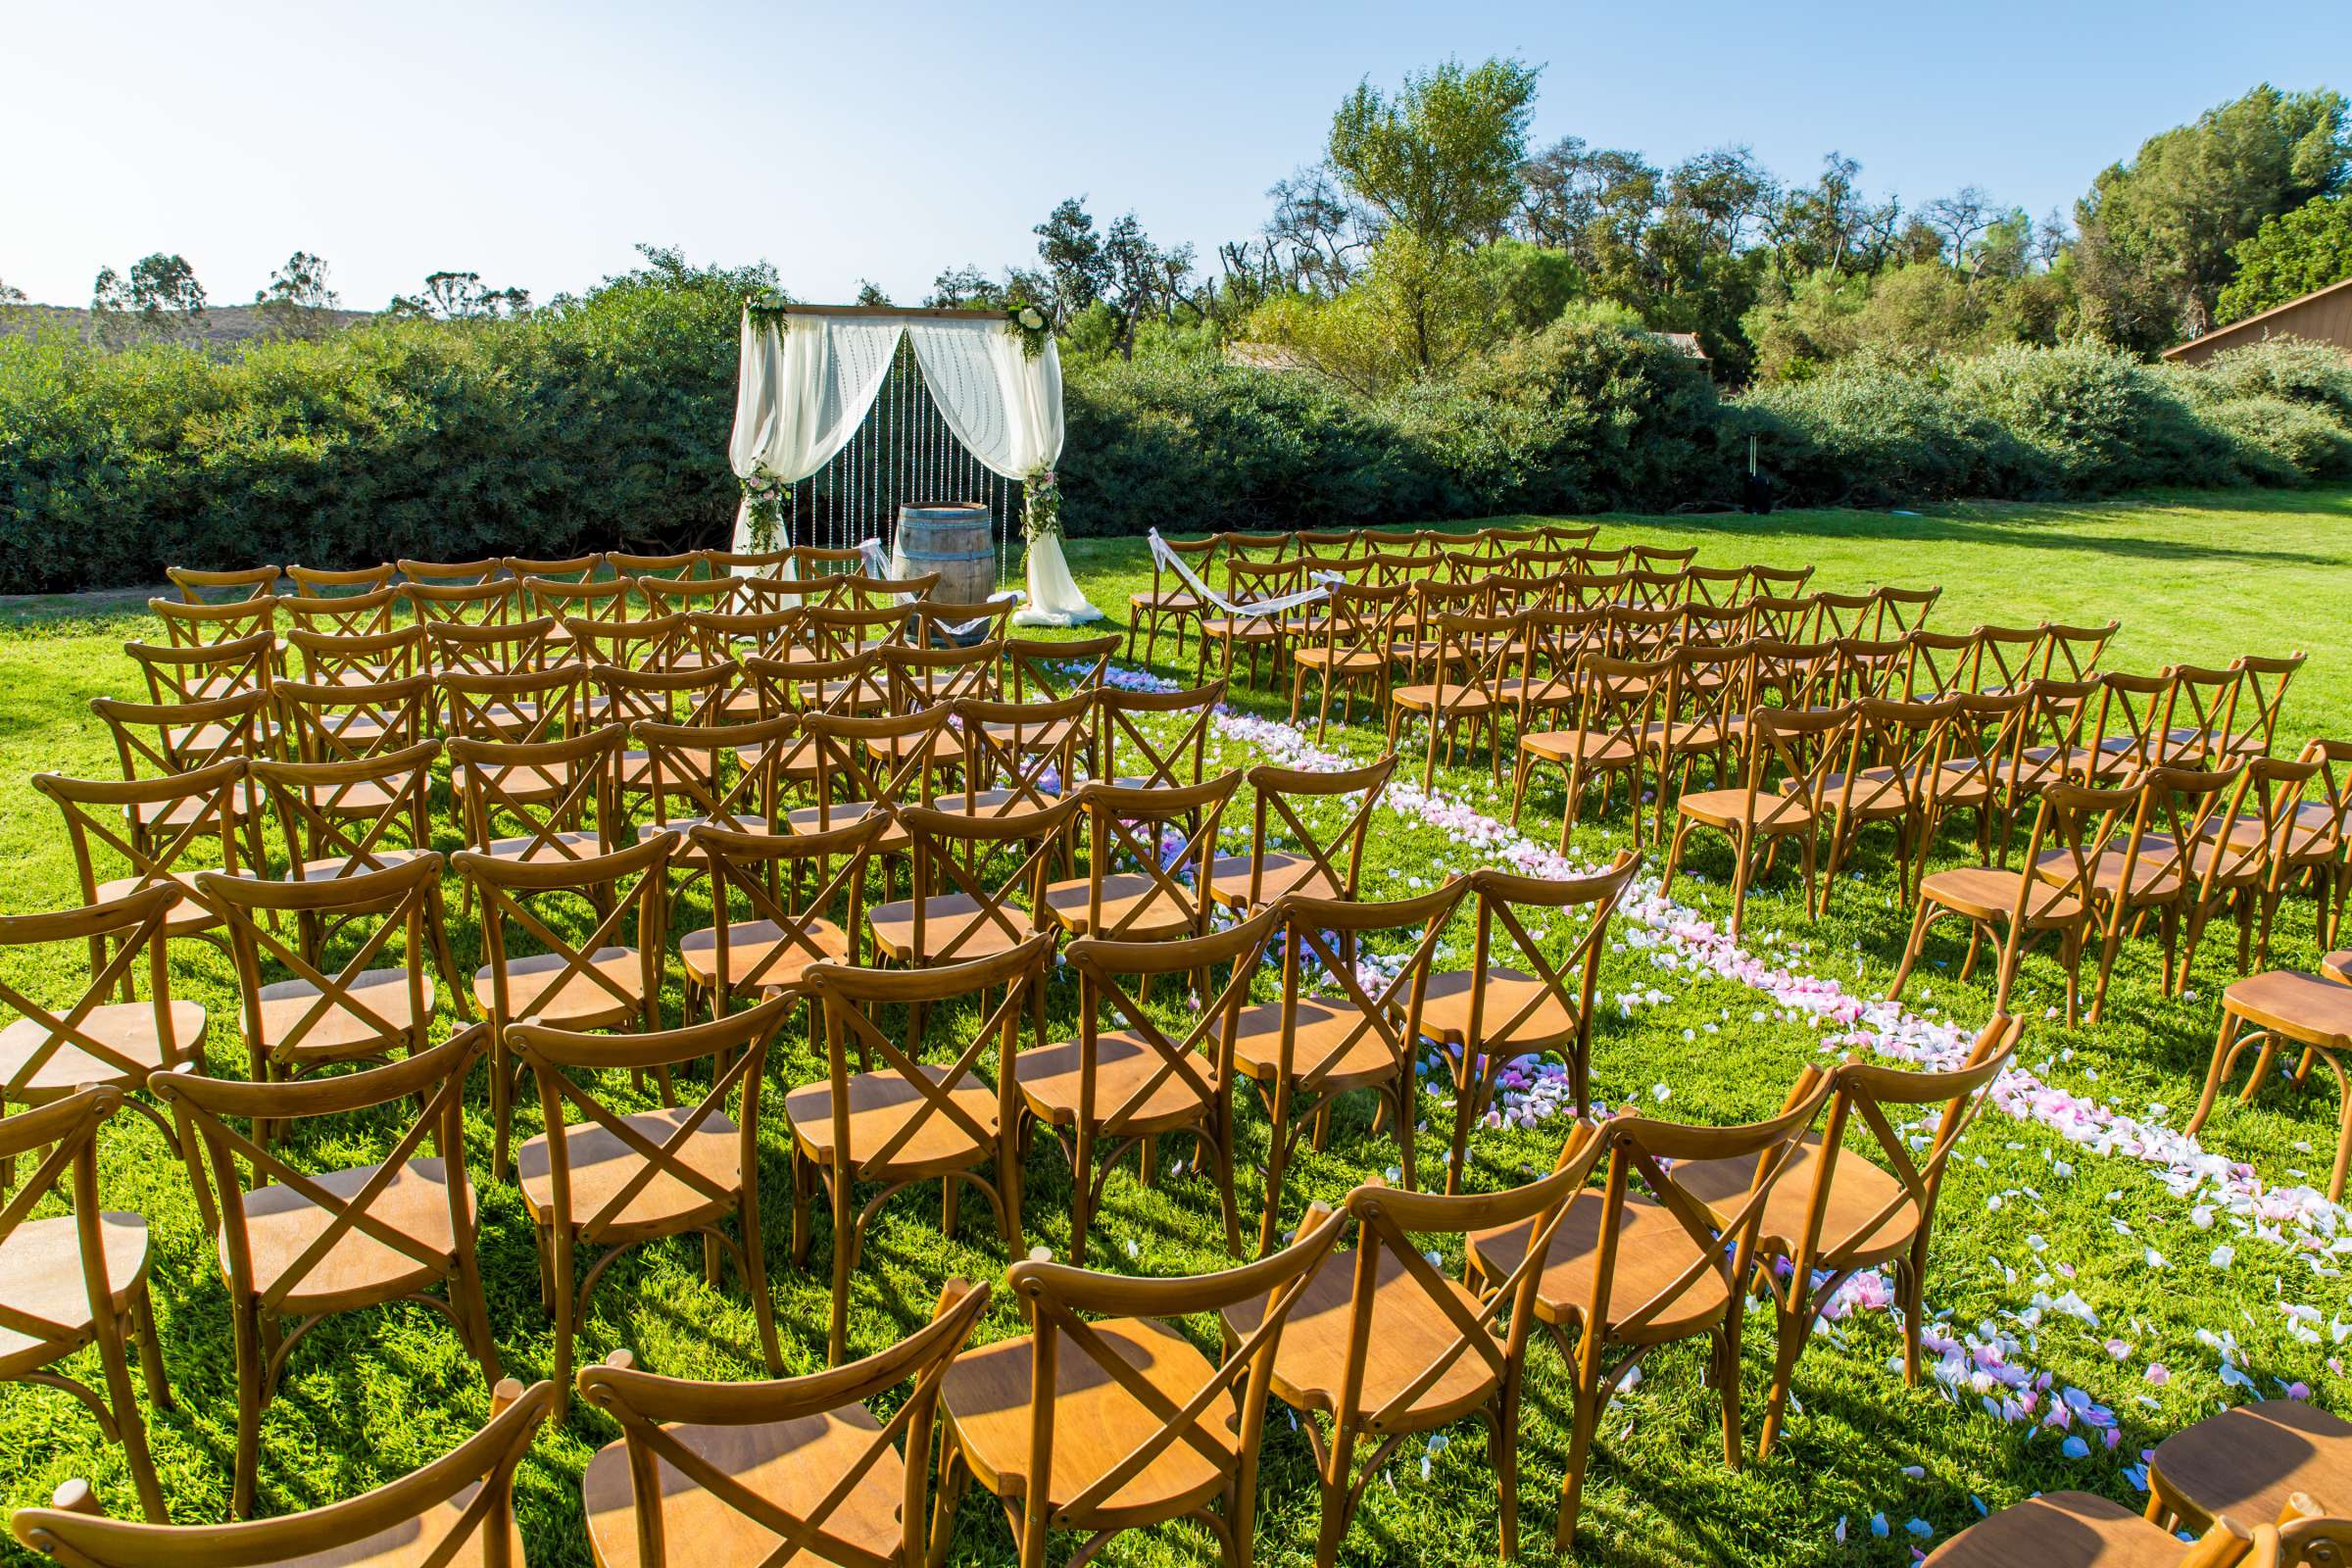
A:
{"points": [[1332, 1527], [251, 1368], [755, 1280], [1792, 1325], [1911, 948], [567, 1309], [837, 1335], [1584, 1417]]}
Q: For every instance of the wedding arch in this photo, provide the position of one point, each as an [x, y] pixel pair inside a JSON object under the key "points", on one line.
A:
{"points": [[878, 407]]}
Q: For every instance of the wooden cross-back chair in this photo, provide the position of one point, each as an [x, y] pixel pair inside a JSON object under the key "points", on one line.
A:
{"points": [[460, 572], [1839, 616], [70, 1282], [327, 839], [2253, 728], [484, 602], [789, 926], [1167, 839], [2072, 653], [1569, 535], [862, 765], [864, 590], [1895, 757], [47, 1053], [1938, 664], [1777, 582], [977, 886], [603, 1179], [504, 648], [1018, 756], [1557, 641], [317, 1017], [741, 635], [598, 980], [2123, 738], [1660, 558], [157, 743], [361, 615], [1978, 739], [334, 659], [928, 677], [1626, 1272], [360, 724], [744, 1473], [1249, 583], [2081, 1530], [1471, 683], [1791, 755], [689, 698], [1169, 602], [200, 625], [205, 673], [2307, 847], [1903, 611], [343, 582], [1303, 1050], [1354, 649], [2007, 659], [2254, 1461], [1516, 1000], [2246, 851], [2140, 862], [725, 775], [559, 793], [1835, 1214], [751, 565], [675, 567], [161, 830], [1709, 627], [905, 1119], [1112, 1420], [2012, 911], [1717, 587], [520, 705], [832, 631], [2192, 728], [1867, 668], [1131, 751], [647, 643], [1784, 620], [568, 570], [1042, 669], [595, 598], [1608, 735], [299, 1247], [2046, 745], [954, 623], [1327, 861], [1648, 589], [1704, 713], [249, 583], [1128, 1081], [1386, 1349]]}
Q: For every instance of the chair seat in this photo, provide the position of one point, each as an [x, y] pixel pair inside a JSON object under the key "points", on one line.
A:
{"points": [[1281, 872], [1097, 1422], [1877, 792], [516, 781], [892, 840], [2308, 1009], [335, 867], [749, 945], [1228, 628], [2061, 1530], [1257, 1051], [1454, 697], [1343, 660], [1168, 600], [1986, 893], [944, 749], [1859, 1194], [41, 1275], [601, 1165], [2156, 876], [527, 851], [1597, 748], [358, 1269], [1125, 1064], [187, 914], [340, 1031], [1135, 909], [580, 1002], [2248, 1460], [1446, 1011], [164, 818], [1688, 735], [2338, 966], [1728, 808], [989, 804], [1652, 1251], [1047, 737], [796, 1465], [127, 1028], [883, 1102], [1409, 1332], [956, 928]]}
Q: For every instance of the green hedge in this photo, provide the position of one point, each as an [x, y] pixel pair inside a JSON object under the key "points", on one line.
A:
{"points": [[603, 420]]}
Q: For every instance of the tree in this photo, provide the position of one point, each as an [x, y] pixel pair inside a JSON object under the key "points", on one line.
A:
{"points": [[461, 297], [1317, 235], [870, 293], [1959, 218], [1076, 269], [965, 287], [2158, 234], [161, 298], [298, 297], [2289, 257]]}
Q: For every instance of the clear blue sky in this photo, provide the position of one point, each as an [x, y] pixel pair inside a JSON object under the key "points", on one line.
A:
{"points": [[534, 142]]}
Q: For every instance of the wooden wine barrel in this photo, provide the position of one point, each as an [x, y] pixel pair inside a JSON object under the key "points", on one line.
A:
{"points": [[953, 541]]}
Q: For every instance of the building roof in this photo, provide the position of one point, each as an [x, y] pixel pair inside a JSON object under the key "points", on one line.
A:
{"points": [[2254, 328]]}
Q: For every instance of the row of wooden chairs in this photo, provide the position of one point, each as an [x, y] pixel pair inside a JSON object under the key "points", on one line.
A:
{"points": [[1128, 1423], [808, 564]]}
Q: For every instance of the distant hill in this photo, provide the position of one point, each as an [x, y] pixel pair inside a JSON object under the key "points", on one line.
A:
{"points": [[221, 325]]}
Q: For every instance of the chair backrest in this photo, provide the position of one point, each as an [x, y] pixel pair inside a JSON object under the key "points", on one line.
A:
{"points": [[120, 936], [721, 634], [340, 816], [1054, 1294], [852, 999], [2073, 827], [846, 769], [767, 869], [1784, 620], [1867, 668], [459, 1508], [582, 773], [156, 740], [925, 676], [1837, 616], [510, 890], [686, 771], [522, 705], [1903, 611], [348, 722], [99, 813], [361, 615], [62, 1139], [2123, 737], [952, 623], [2048, 734], [1337, 850], [1797, 748], [460, 574], [1029, 750], [1617, 702], [2176, 804], [1781, 582], [1719, 587], [323, 583], [1039, 670], [1395, 1225], [1388, 1007], [225, 1160], [1938, 664], [399, 899], [1909, 739], [1167, 837], [568, 1066], [182, 672], [652, 642], [571, 569], [2194, 720], [495, 647], [846, 686], [1564, 998], [2332, 786], [681, 564], [1248, 582], [600, 598], [337, 659], [648, 1407], [2254, 715], [996, 863], [1125, 723], [2072, 653], [201, 625], [696, 696], [250, 582], [2006, 657], [844, 631]]}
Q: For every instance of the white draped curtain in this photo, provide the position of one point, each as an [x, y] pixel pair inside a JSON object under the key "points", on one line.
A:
{"points": [[807, 381]]}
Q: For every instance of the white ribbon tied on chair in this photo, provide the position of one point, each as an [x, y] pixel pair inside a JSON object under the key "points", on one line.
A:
{"points": [[1255, 608]]}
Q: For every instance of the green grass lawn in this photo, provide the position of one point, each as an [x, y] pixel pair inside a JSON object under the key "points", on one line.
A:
{"points": [[2196, 580]]}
